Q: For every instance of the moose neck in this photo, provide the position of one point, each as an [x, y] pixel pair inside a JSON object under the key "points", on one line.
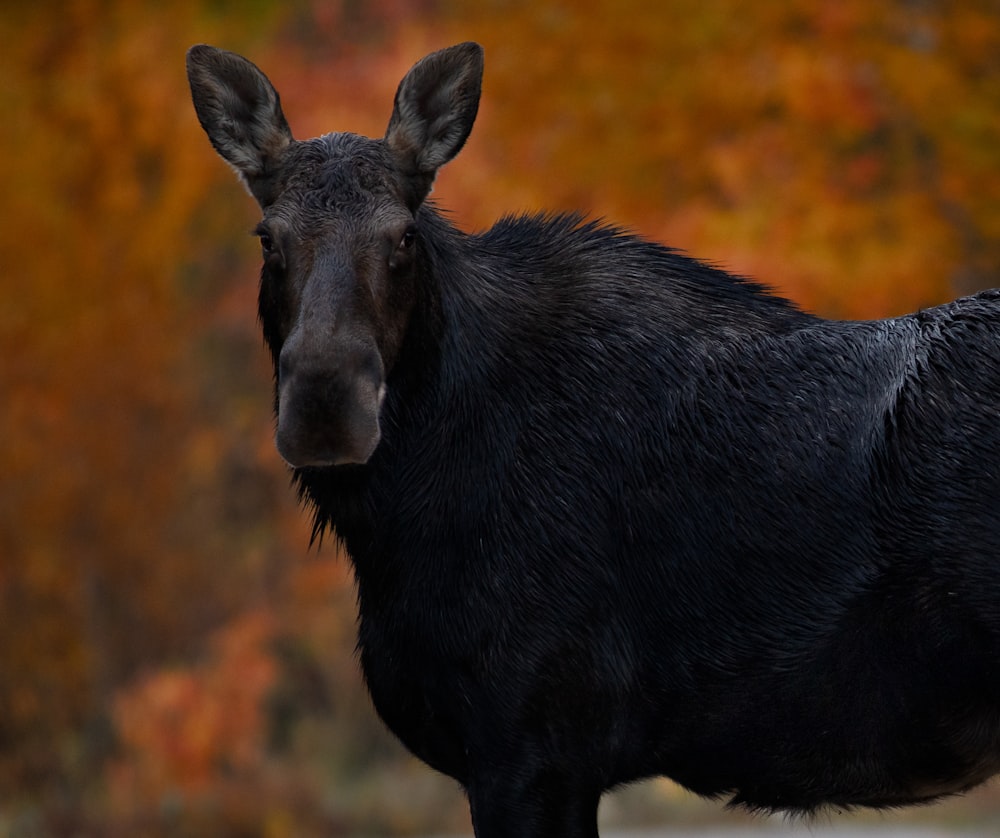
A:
{"points": [[495, 316]]}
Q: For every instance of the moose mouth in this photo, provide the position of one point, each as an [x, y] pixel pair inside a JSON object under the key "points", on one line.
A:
{"points": [[329, 425]]}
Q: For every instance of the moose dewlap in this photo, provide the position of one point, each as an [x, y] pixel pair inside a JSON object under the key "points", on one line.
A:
{"points": [[612, 512]]}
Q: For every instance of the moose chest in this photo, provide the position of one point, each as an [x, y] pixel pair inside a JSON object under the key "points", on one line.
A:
{"points": [[419, 691], [469, 638], [429, 629], [437, 658]]}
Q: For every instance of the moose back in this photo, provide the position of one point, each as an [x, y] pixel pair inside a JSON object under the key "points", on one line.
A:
{"points": [[612, 512]]}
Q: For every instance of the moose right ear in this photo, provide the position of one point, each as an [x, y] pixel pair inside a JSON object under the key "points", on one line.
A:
{"points": [[241, 112]]}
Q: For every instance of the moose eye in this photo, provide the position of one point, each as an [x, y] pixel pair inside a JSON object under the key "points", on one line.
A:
{"points": [[268, 246], [408, 240]]}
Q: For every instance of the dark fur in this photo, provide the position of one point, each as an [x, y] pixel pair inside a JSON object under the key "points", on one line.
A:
{"points": [[630, 515]]}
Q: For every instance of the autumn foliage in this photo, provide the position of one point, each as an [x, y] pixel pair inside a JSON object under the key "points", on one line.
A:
{"points": [[167, 637]]}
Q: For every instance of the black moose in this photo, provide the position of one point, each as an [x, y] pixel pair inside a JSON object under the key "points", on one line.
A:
{"points": [[612, 512]]}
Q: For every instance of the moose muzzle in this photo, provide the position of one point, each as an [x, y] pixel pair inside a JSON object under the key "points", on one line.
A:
{"points": [[328, 407]]}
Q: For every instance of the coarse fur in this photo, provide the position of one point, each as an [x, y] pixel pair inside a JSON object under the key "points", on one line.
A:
{"points": [[615, 513]]}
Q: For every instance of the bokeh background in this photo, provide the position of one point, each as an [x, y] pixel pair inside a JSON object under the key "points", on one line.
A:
{"points": [[174, 658]]}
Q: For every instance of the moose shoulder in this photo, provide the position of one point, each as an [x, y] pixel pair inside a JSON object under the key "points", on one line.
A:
{"points": [[614, 513]]}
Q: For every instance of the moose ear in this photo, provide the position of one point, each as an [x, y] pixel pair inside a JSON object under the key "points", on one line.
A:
{"points": [[241, 113], [435, 106]]}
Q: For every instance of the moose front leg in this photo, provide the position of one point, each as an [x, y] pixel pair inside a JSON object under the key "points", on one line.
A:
{"points": [[521, 801]]}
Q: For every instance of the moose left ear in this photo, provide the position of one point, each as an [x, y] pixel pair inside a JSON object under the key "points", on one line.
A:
{"points": [[241, 112], [436, 104]]}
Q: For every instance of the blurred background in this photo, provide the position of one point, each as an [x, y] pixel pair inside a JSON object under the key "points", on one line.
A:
{"points": [[174, 658]]}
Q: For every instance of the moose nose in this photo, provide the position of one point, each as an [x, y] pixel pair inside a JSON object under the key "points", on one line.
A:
{"points": [[328, 411]]}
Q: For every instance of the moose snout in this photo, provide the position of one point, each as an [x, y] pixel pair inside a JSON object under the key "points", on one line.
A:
{"points": [[328, 411]]}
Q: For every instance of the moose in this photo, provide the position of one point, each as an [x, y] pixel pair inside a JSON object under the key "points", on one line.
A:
{"points": [[612, 512]]}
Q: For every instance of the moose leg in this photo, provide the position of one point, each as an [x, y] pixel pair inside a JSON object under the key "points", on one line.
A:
{"points": [[521, 803]]}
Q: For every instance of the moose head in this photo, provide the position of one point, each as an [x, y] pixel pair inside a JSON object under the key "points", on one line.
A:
{"points": [[339, 237]]}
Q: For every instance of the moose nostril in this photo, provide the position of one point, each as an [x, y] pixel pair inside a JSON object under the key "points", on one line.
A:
{"points": [[285, 366]]}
